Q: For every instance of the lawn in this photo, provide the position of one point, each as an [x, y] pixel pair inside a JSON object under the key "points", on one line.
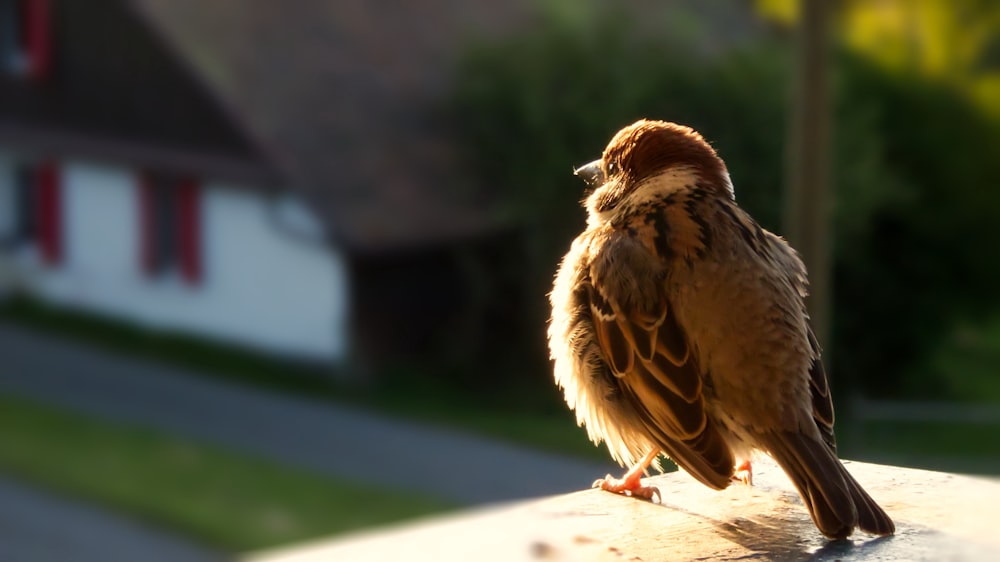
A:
{"points": [[231, 501]]}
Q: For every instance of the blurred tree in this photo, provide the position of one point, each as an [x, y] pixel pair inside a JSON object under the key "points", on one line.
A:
{"points": [[924, 256], [956, 41], [806, 219]]}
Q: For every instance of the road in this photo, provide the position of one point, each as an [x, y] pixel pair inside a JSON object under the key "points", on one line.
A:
{"points": [[338, 440]]}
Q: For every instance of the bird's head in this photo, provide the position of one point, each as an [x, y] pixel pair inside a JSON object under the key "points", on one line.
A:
{"points": [[648, 160]]}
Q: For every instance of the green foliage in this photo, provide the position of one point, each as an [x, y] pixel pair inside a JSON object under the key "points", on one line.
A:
{"points": [[532, 109], [913, 169], [925, 258], [970, 349]]}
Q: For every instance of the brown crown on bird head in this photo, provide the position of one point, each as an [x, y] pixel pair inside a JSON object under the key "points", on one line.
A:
{"points": [[647, 147]]}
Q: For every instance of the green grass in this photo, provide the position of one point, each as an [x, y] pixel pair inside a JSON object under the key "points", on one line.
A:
{"points": [[231, 501]]}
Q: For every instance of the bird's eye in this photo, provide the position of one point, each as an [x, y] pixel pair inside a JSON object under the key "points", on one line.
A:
{"points": [[612, 168]]}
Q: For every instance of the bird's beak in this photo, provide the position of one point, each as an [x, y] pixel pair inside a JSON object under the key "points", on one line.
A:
{"points": [[592, 174]]}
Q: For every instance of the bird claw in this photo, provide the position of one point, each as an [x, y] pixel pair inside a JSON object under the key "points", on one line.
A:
{"points": [[647, 493], [628, 487], [744, 473]]}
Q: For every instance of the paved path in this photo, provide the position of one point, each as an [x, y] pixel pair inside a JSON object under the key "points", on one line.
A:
{"points": [[335, 440], [38, 527]]}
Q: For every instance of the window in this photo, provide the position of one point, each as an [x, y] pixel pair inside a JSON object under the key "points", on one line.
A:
{"points": [[38, 215], [170, 226], [25, 37]]}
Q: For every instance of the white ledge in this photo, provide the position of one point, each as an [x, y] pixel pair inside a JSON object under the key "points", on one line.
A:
{"points": [[938, 516]]}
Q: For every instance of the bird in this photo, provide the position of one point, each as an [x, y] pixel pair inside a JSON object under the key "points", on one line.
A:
{"points": [[679, 327]]}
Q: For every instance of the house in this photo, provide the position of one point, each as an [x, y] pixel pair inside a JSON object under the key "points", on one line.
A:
{"points": [[126, 189], [198, 167], [271, 174]]}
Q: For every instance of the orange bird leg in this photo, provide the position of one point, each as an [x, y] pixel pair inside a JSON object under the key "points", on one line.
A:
{"points": [[630, 484], [744, 473]]}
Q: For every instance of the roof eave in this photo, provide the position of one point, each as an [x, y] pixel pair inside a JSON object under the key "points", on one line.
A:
{"points": [[140, 154]]}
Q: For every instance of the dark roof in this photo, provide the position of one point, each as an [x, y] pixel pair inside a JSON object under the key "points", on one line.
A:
{"points": [[342, 95], [116, 92]]}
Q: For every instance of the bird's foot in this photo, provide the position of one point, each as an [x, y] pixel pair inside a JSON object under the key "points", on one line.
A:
{"points": [[631, 483], [628, 487], [744, 473]]}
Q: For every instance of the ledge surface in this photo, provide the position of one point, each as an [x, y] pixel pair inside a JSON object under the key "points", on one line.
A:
{"points": [[939, 516]]}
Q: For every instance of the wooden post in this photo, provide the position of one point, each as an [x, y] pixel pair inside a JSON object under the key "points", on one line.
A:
{"points": [[807, 201]]}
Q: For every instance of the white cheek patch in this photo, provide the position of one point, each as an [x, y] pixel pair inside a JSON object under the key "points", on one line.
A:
{"points": [[595, 217], [668, 181]]}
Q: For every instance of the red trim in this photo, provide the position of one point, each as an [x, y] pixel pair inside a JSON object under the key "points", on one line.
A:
{"points": [[49, 213], [38, 37], [147, 233], [189, 230]]}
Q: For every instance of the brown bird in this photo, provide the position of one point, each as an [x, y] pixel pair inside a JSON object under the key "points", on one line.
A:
{"points": [[679, 326]]}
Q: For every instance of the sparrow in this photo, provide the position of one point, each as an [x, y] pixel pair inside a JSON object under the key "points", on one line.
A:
{"points": [[679, 327]]}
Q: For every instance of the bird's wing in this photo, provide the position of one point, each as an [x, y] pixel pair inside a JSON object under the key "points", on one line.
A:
{"points": [[649, 354], [822, 400]]}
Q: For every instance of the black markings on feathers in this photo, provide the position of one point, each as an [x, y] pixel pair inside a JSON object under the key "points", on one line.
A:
{"points": [[600, 303], [695, 199], [662, 228], [749, 230]]}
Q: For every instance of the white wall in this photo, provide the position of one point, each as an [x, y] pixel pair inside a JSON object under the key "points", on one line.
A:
{"points": [[260, 287], [100, 230], [269, 285]]}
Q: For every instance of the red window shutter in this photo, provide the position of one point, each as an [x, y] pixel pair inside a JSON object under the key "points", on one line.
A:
{"points": [[189, 230], [147, 228], [49, 213], [38, 37]]}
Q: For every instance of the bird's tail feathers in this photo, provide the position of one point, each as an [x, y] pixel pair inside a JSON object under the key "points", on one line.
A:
{"points": [[836, 502]]}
